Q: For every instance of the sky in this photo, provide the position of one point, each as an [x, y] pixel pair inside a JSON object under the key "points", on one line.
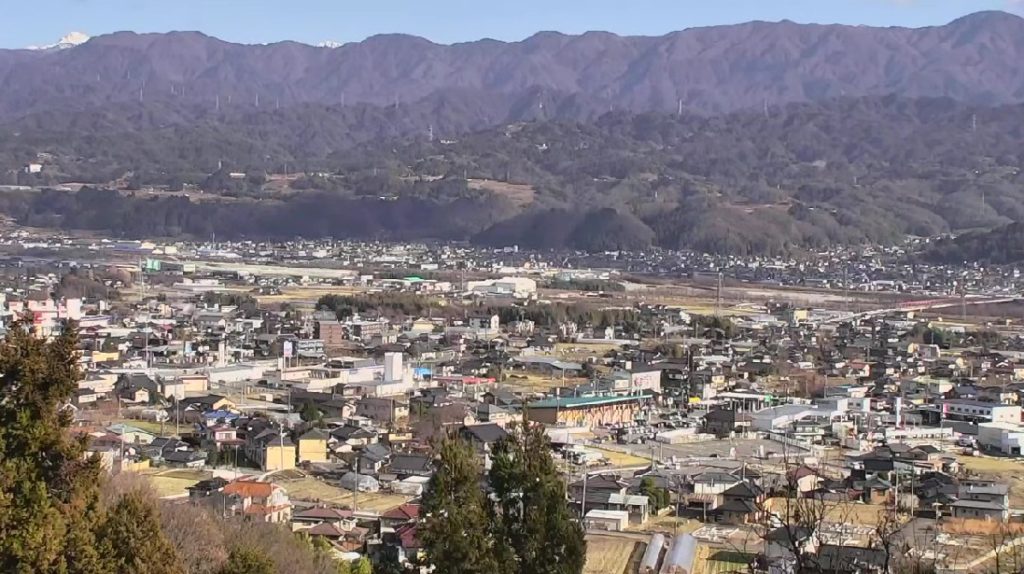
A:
{"points": [[32, 22]]}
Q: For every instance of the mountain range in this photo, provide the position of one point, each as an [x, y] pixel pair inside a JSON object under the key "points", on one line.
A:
{"points": [[754, 138], [976, 59]]}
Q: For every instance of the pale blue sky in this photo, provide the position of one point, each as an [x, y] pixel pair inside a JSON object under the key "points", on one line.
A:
{"points": [[25, 22]]}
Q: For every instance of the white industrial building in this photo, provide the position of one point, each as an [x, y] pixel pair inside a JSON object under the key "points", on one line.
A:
{"points": [[234, 373], [506, 286], [396, 380], [773, 418], [1006, 438], [978, 411]]}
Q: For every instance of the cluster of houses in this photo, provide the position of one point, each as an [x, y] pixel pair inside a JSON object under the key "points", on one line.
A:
{"points": [[259, 396]]}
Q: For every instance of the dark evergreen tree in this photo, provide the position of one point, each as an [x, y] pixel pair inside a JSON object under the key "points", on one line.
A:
{"points": [[533, 523], [132, 539], [455, 530], [49, 495]]}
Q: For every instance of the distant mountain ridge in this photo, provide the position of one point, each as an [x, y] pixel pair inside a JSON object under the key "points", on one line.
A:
{"points": [[977, 59]]}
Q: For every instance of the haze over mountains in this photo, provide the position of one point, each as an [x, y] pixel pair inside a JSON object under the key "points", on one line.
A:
{"points": [[557, 141], [976, 59]]}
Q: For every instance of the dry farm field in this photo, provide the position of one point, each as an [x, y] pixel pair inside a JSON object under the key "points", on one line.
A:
{"points": [[174, 482], [608, 554], [310, 489]]}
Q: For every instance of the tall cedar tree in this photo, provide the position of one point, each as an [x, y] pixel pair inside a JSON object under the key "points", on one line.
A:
{"points": [[49, 495], [455, 532], [537, 533], [51, 519], [133, 541]]}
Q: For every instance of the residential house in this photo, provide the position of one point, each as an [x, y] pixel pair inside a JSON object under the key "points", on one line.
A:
{"points": [[372, 458], [271, 449], [486, 413], [317, 515], [313, 446], [347, 437], [723, 422], [411, 465], [483, 437], [255, 500], [185, 459], [130, 434], [740, 504], [982, 499], [382, 410], [206, 488]]}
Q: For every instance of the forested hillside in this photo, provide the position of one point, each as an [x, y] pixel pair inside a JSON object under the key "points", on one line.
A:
{"points": [[1000, 246], [804, 175]]}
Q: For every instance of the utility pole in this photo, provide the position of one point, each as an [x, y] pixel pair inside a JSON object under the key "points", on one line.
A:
{"points": [[355, 489], [718, 296], [583, 501]]}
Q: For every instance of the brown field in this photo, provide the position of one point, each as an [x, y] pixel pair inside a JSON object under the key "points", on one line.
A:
{"points": [[519, 194], [839, 513], [147, 426], [523, 383], [304, 296], [617, 458], [581, 351], [717, 561], [608, 554], [668, 525], [970, 527], [174, 482], [313, 490]]}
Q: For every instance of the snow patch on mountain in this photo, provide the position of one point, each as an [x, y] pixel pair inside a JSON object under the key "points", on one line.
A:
{"points": [[70, 41]]}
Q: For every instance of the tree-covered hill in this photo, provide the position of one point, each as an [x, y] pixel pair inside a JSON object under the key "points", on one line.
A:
{"points": [[803, 175]]}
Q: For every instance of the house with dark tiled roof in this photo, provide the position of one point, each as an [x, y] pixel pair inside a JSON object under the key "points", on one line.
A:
{"points": [[350, 436], [272, 449], [411, 465], [318, 515], [372, 458], [483, 436], [206, 488], [185, 459], [740, 504]]}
